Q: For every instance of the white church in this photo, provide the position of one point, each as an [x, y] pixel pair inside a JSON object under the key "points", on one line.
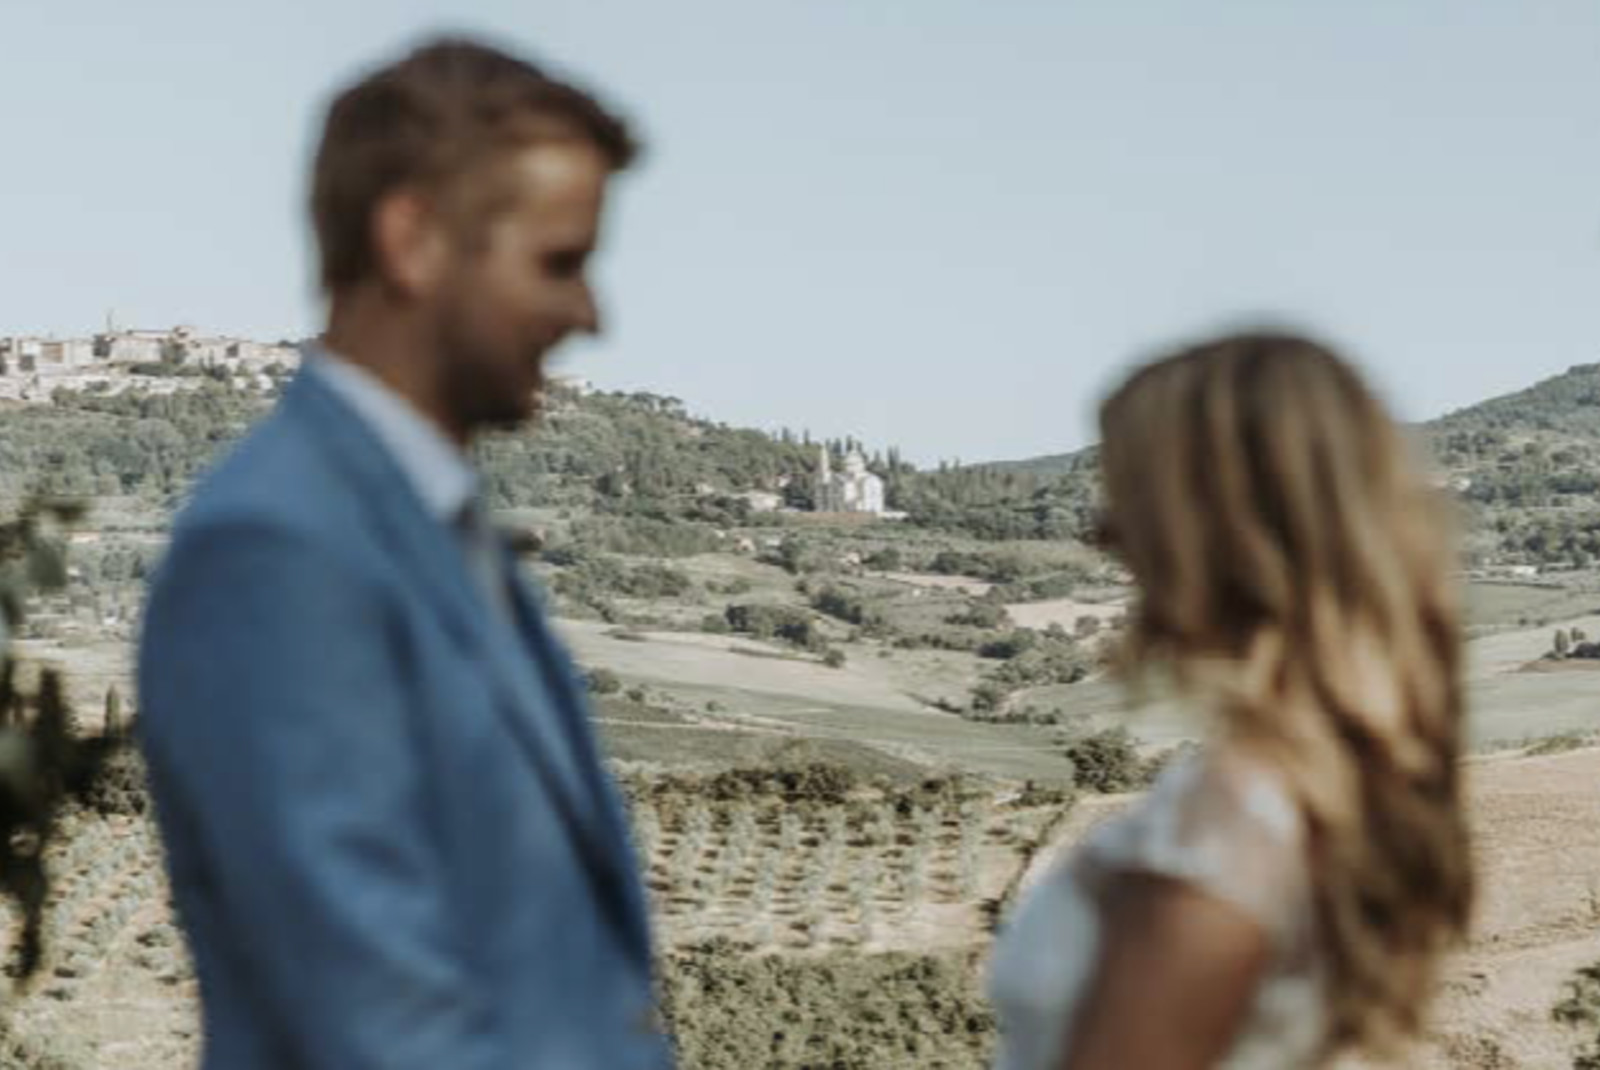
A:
{"points": [[853, 490]]}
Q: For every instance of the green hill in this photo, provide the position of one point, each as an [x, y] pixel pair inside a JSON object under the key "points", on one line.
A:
{"points": [[1526, 465], [591, 450], [1566, 404]]}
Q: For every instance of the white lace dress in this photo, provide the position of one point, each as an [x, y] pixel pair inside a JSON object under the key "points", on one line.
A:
{"points": [[1225, 827]]}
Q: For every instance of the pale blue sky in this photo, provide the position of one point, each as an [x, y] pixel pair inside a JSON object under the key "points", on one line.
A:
{"points": [[939, 223]]}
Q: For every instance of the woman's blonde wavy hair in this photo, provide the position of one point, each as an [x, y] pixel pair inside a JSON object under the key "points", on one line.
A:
{"points": [[1295, 566]]}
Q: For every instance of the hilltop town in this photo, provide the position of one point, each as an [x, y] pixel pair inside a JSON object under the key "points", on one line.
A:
{"points": [[33, 367]]}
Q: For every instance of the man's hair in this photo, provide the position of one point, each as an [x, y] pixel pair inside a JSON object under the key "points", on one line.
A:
{"points": [[439, 120]]}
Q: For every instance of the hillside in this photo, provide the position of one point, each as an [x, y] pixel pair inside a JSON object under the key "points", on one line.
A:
{"points": [[591, 448], [1563, 407], [635, 453], [1566, 404], [1526, 465], [1047, 466]]}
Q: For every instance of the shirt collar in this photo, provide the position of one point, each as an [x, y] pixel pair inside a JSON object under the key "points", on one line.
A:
{"points": [[436, 468]]}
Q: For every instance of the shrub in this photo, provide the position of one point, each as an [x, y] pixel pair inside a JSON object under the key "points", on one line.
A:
{"points": [[652, 580], [1108, 761], [988, 696], [776, 622], [846, 605], [982, 613], [593, 578], [1029, 715], [1011, 645], [1581, 1009], [957, 563], [887, 559], [645, 536], [1043, 588], [816, 782], [839, 603], [604, 682], [1046, 660], [794, 556]]}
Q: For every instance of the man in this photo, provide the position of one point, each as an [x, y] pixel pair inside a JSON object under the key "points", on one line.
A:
{"points": [[391, 839]]}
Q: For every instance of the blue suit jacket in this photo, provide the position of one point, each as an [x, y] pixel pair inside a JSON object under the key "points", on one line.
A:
{"points": [[390, 836]]}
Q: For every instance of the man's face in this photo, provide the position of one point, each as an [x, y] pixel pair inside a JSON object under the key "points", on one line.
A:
{"points": [[521, 286]]}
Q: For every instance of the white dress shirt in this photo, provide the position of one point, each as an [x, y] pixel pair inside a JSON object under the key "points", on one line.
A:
{"points": [[437, 469]]}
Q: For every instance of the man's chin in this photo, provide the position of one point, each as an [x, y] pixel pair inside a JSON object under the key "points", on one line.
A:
{"points": [[512, 411]]}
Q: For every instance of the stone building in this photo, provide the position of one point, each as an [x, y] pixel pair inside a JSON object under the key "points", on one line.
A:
{"points": [[852, 490], [32, 367]]}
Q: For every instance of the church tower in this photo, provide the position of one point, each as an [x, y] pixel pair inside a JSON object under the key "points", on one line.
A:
{"points": [[824, 492]]}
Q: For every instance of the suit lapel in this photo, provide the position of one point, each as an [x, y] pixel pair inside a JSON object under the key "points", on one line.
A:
{"points": [[570, 694], [534, 715]]}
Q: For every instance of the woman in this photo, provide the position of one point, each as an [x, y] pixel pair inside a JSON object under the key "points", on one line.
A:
{"points": [[1284, 895]]}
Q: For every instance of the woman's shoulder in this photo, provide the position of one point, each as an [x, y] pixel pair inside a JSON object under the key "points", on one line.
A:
{"points": [[1221, 820], [1236, 788]]}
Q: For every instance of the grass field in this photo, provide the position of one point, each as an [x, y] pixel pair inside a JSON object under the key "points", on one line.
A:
{"points": [[1496, 605]]}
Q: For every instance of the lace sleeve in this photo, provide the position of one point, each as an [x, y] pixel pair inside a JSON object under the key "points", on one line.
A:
{"points": [[1226, 827]]}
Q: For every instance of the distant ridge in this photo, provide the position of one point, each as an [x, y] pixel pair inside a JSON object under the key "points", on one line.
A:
{"points": [[1565, 405]]}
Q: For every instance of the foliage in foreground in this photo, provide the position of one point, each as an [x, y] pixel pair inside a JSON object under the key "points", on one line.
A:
{"points": [[1581, 1008], [43, 764]]}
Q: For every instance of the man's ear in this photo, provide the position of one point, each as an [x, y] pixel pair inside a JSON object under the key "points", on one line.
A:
{"points": [[409, 243]]}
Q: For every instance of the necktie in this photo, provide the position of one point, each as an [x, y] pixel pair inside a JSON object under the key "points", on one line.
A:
{"points": [[485, 561]]}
